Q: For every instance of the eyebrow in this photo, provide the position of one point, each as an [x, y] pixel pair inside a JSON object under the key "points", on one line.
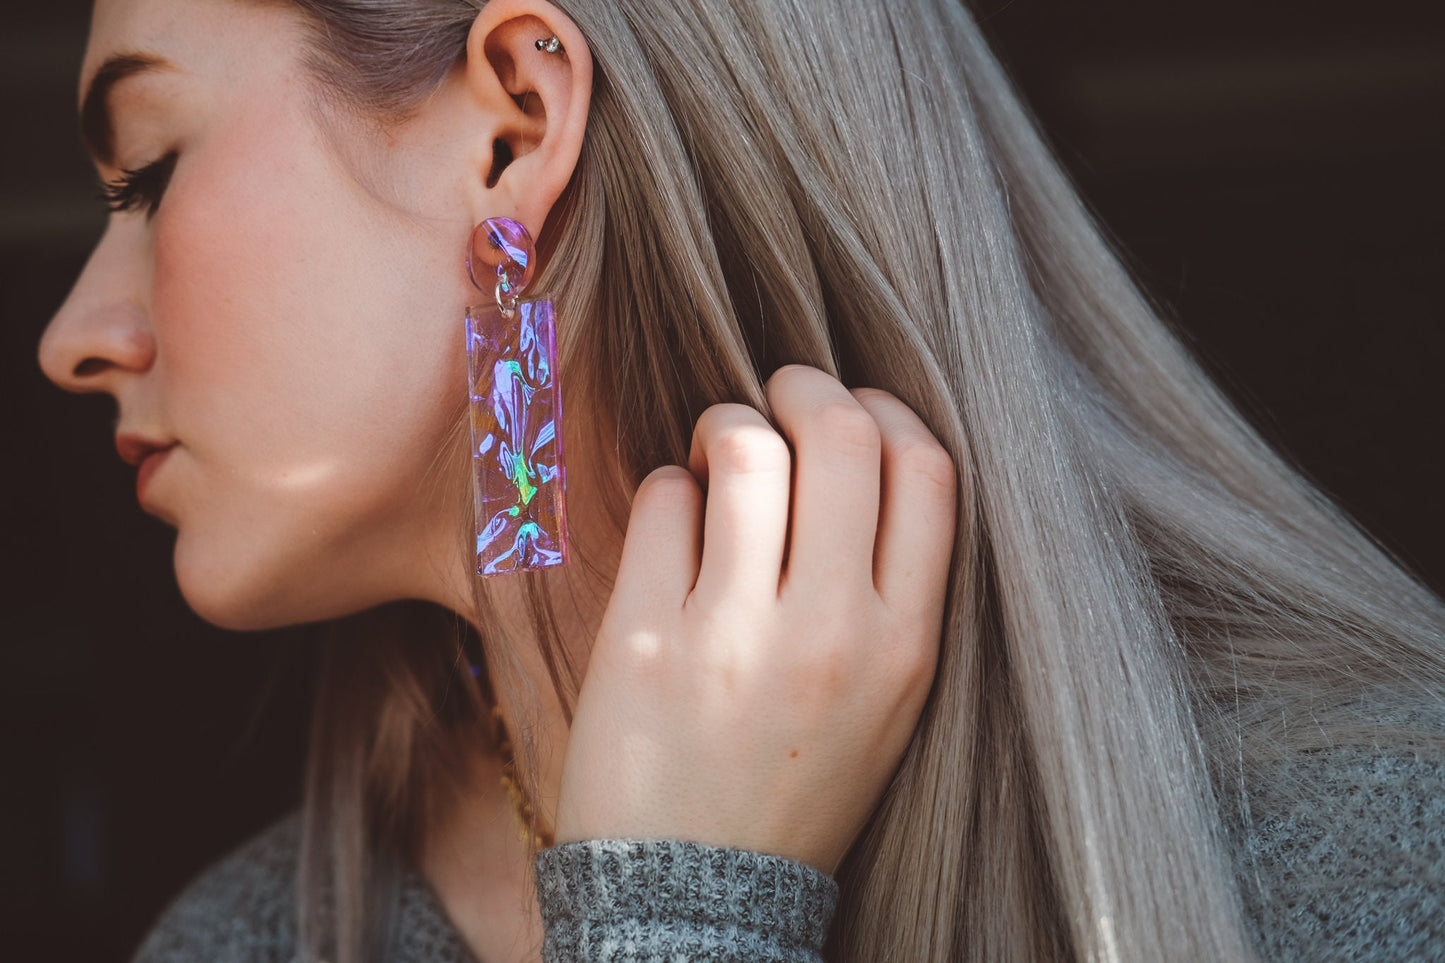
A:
{"points": [[96, 127]]}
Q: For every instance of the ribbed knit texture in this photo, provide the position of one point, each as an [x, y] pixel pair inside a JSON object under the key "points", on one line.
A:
{"points": [[663, 900], [1365, 882]]}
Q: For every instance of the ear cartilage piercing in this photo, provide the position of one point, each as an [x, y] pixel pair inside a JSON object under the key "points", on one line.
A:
{"points": [[519, 481], [551, 45]]}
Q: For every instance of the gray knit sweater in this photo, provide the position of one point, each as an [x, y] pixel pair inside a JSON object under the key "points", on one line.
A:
{"points": [[1365, 883]]}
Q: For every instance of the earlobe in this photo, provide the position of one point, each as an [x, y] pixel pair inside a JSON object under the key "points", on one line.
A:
{"points": [[536, 94]]}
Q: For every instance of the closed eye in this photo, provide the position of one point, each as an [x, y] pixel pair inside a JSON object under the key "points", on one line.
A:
{"points": [[141, 188]]}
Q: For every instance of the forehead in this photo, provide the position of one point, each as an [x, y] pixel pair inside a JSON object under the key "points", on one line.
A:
{"points": [[193, 35], [156, 27]]}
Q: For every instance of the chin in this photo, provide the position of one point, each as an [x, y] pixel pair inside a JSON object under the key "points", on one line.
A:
{"points": [[240, 592], [227, 601]]}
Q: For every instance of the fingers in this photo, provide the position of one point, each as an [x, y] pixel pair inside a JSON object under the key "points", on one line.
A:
{"points": [[873, 497], [746, 468], [837, 483], [659, 561], [919, 505]]}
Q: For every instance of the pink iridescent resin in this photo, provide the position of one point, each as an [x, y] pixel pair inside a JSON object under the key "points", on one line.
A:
{"points": [[519, 479], [500, 244]]}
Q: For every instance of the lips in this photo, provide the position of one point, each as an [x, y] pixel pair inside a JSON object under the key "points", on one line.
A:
{"points": [[148, 468], [135, 449]]}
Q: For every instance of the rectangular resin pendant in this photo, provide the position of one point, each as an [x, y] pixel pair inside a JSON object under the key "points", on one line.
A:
{"points": [[519, 481]]}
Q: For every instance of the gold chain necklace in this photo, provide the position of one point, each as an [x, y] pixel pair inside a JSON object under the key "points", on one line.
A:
{"points": [[522, 810]]}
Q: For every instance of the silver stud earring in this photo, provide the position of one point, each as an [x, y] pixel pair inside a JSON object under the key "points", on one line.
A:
{"points": [[551, 45]]}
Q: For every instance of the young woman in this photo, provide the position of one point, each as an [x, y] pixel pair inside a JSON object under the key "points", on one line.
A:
{"points": [[1022, 646]]}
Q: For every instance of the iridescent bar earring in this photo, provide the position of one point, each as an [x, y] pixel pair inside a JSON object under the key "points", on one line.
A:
{"points": [[519, 481]]}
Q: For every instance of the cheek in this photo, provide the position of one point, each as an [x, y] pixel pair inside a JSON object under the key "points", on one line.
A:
{"points": [[303, 363]]}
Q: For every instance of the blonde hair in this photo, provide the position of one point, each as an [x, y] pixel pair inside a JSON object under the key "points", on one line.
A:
{"points": [[1148, 603]]}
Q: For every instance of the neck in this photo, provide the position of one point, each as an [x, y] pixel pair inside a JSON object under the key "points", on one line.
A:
{"points": [[476, 863]]}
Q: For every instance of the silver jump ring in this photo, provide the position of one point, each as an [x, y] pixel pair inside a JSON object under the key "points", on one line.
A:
{"points": [[506, 305]]}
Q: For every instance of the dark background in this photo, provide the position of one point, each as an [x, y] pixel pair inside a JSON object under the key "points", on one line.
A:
{"points": [[1273, 173]]}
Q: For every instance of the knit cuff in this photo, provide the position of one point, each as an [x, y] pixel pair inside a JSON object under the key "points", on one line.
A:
{"points": [[665, 899]]}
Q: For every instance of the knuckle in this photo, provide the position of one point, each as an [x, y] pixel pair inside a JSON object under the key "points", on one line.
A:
{"points": [[788, 372], [828, 668], [917, 665], [642, 657], [716, 417], [669, 484], [870, 395], [848, 425], [749, 449], [722, 667], [931, 462]]}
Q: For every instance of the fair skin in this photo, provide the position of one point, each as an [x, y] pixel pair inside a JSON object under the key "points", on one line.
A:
{"points": [[290, 315]]}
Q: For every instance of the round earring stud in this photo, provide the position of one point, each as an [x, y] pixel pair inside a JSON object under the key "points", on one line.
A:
{"points": [[551, 45]]}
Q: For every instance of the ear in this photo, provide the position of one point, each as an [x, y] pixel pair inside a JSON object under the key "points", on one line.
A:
{"points": [[537, 102]]}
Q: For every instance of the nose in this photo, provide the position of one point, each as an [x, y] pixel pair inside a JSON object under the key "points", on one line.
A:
{"points": [[102, 333]]}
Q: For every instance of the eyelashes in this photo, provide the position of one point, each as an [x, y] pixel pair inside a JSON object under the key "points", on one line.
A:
{"points": [[140, 189]]}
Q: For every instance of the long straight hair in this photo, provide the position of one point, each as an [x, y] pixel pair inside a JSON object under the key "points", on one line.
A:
{"points": [[1148, 604]]}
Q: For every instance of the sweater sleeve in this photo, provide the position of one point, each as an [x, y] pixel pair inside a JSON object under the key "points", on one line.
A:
{"points": [[636, 900]]}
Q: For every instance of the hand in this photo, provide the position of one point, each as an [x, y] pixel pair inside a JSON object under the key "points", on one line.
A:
{"points": [[739, 698]]}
